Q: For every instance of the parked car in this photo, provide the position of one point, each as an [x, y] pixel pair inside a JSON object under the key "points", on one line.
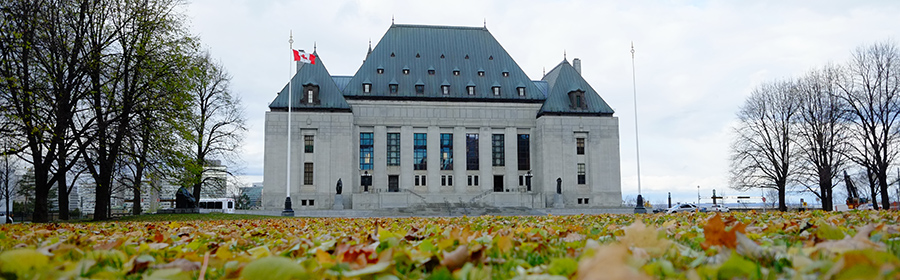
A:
{"points": [[718, 208], [686, 207], [5, 219]]}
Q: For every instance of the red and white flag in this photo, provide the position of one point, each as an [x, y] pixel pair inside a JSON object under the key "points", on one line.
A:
{"points": [[304, 57]]}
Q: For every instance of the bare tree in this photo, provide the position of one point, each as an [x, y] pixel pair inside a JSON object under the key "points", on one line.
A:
{"points": [[873, 97], [821, 132], [216, 129], [763, 153]]}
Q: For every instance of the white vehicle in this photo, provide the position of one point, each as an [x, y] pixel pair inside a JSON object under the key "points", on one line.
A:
{"points": [[5, 219], [718, 208], [686, 207], [217, 205]]}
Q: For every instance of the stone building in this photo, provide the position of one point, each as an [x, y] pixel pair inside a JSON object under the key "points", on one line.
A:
{"points": [[440, 114]]}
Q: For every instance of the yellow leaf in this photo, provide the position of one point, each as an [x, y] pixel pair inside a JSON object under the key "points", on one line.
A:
{"points": [[274, 268], [504, 243], [609, 262], [323, 257], [639, 235], [21, 261], [259, 252]]}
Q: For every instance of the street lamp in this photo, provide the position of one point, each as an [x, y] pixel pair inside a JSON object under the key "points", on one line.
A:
{"points": [[366, 181], [528, 176]]}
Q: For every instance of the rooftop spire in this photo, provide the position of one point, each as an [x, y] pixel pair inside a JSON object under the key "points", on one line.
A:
{"points": [[314, 46], [485, 22], [392, 19]]}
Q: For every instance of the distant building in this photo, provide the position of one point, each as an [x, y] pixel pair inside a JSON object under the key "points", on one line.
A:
{"points": [[440, 114], [255, 193]]}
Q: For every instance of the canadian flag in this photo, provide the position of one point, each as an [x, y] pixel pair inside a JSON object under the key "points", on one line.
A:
{"points": [[304, 57]]}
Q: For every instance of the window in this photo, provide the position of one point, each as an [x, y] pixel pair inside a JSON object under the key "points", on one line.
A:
{"points": [[308, 173], [480, 73], [446, 151], [312, 202], [366, 151], [498, 183], [496, 90], [392, 88], [405, 71], [420, 180], [471, 90], [472, 151], [308, 143], [473, 180], [379, 70], [445, 89], [303, 202], [367, 88], [581, 174], [579, 146], [430, 71], [310, 94], [497, 153], [523, 148], [446, 180], [420, 145], [505, 74], [393, 183], [576, 99], [420, 89], [393, 149], [455, 72], [521, 91]]}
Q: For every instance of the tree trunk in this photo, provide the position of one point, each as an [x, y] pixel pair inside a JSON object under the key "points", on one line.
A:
{"points": [[41, 193], [825, 185], [136, 205], [63, 198], [883, 185]]}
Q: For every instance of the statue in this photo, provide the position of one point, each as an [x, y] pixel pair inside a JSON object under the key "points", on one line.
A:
{"points": [[559, 185], [184, 199], [340, 186]]}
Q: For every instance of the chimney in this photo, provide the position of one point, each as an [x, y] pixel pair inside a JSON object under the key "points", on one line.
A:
{"points": [[577, 64]]}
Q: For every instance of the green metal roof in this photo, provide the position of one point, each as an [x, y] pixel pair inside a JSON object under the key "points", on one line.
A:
{"points": [[419, 49], [330, 97], [564, 79]]}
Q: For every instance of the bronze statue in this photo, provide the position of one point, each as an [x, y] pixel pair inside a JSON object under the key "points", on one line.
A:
{"points": [[340, 186], [559, 185], [184, 199]]}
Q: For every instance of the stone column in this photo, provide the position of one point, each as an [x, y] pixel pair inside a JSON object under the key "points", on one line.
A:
{"points": [[460, 180], [379, 171], [511, 178], [484, 159], [406, 157], [434, 159]]}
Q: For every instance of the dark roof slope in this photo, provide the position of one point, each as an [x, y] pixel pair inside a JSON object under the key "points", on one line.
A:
{"points": [[443, 49], [564, 79], [330, 97]]}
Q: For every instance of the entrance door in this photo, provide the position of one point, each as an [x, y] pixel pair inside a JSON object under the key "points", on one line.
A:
{"points": [[393, 183], [498, 183]]}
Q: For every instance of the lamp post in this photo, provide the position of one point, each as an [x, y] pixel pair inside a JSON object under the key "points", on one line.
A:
{"points": [[366, 181], [639, 208], [528, 181]]}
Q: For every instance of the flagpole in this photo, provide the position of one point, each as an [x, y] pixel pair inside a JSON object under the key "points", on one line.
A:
{"points": [[639, 208], [288, 211]]}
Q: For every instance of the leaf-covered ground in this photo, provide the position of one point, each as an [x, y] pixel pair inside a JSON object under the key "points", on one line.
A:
{"points": [[771, 245]]}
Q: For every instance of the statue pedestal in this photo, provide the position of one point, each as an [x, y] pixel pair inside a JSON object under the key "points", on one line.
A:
{"points": [[338, 202], [558, 203]]}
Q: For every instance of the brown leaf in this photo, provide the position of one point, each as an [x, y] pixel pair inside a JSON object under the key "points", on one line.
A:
{"points": [[609, 262], [110, 245], [457, 258], [716, 235]]}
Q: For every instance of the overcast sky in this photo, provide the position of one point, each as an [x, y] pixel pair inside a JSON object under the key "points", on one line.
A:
{"points": [[695, 61]]}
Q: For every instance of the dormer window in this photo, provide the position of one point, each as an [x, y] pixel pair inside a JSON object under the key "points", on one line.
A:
{"points": [[455, 72], [471, 90], [445, 89], [576, 99], [521, 91], [480, 73], [430, 71], [367, 88], [310, 94], [379, 70], [496, 90], [392, 88], [505, 74], [420, 89], [405, 71]]}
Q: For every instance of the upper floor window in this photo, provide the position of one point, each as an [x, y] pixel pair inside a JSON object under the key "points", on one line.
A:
{"points": [[308, 143], [367, 88], [521, 91], [480, 73], [392, 88], [310, 94], [498, 150], [505, 74], [420, 89], [472, 152], [430, 71], [446, 151], [579, 146], [445, 89], [496, 90], [405, 71], [471, 90], [393, 149], [420, 145], [379, 70], [455, 72], [366, 150], [576, 99]]}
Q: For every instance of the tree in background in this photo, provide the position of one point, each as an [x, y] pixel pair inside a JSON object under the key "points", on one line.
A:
{"points": [[763, 152], [216, 126], [873, 97], [821, 132]]}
